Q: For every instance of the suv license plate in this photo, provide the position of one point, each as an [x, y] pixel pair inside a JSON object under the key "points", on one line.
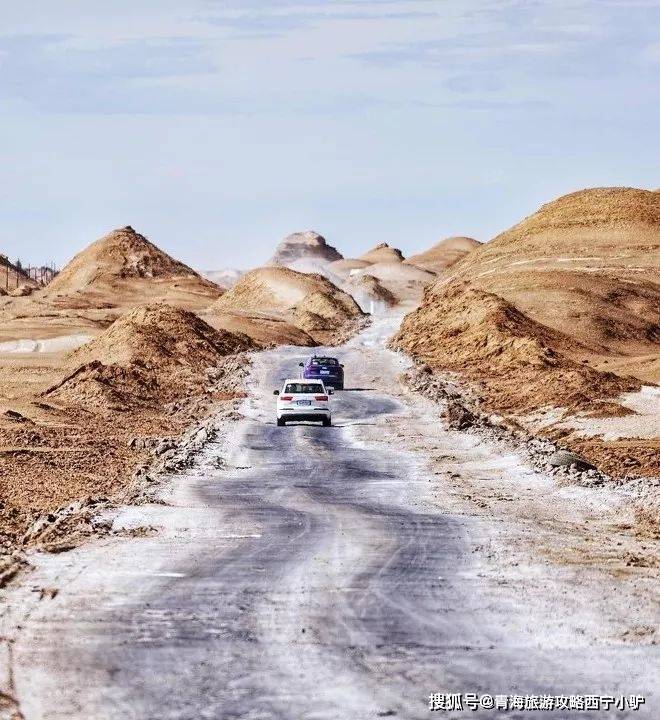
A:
{"points": [[304, 402]]}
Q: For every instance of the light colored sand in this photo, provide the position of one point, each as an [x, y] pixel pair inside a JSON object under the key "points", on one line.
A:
{"points": [[49, 345], [645, 423]]}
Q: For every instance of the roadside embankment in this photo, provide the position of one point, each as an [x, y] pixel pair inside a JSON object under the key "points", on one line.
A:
{"points": [[133, 402]]}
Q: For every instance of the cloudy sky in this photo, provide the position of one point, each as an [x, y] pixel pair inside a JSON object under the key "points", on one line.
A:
{"points": [[216, 127]]}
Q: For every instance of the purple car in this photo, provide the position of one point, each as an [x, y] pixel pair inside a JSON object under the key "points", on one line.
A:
{"points": [[328, 369]]}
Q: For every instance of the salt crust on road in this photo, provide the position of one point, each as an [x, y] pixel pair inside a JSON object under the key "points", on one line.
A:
{"points": [[548, 568]]}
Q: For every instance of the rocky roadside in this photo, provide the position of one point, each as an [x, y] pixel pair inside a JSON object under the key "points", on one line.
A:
{"points": [[461, 410], [87, 517]]}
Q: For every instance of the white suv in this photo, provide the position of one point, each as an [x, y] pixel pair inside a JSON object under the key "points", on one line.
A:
{"points": [[303, 400]]}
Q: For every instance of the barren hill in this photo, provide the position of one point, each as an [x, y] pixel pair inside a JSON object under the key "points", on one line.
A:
{"points": [[81, 425], [580, 280], [151, 353], [443, 255], [587, 265], [225, 278], [308, 301], [343, 268], [489, 340], [308, 245], [382, 253], [369, 292], [124, 268]]}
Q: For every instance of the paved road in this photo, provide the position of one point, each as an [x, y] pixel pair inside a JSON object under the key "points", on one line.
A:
{"points": [[312, 578]]}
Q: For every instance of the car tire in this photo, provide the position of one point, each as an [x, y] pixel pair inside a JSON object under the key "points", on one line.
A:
{"points": [[327, 422], [281, 422]]}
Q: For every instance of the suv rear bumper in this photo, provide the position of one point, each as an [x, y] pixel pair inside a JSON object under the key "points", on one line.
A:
{"points": [[312, 414]]}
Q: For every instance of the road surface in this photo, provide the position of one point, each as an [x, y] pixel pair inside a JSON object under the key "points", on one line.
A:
{"points": [[314, 573]]}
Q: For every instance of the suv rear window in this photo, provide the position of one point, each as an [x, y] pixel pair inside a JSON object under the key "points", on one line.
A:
{"points": [[304, 388], [324, 361]]}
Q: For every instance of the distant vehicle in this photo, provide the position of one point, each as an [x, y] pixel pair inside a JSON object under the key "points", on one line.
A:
{"points": [[303, 400], [328, 369]]}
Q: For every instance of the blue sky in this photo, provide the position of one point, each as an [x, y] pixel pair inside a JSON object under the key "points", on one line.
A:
{"points": [[216, 128]]}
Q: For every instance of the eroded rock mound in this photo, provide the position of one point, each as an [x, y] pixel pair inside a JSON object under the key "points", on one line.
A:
{"points": [[368, 290], [309, 301], [555, 319], [382, 253], [151, 354], [304, 246], [443, 255], [123, 268], [521, 363], [585, 264], [346, 267]]}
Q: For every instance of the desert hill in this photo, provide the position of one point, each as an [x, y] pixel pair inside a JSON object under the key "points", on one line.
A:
{"points": [[152, 353], [399, 282], [304, 246], [586, 265], [225, 278], [577, 283], [370, 293], [124, 268], [444, 254], [79, 425], [489, 340], [308, 301], [343, 268], [405, 283], [382, 253], [398, 272]]}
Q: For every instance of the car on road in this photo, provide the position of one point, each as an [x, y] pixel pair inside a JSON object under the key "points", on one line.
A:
{"points": [[301, 399], [322, 367]]}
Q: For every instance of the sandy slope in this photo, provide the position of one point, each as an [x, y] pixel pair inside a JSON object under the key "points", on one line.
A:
{"points": [[382, 253], [545, 313], [66, 420], [308, 301], [444, 254], [123, 269], [109, 277], [586, 265]]}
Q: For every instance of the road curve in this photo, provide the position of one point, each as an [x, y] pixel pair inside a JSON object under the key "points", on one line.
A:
{"points": [[299, 573]]}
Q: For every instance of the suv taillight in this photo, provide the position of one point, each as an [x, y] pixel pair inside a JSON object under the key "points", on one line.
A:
{"points": [[286, 398], [320, 397]]}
